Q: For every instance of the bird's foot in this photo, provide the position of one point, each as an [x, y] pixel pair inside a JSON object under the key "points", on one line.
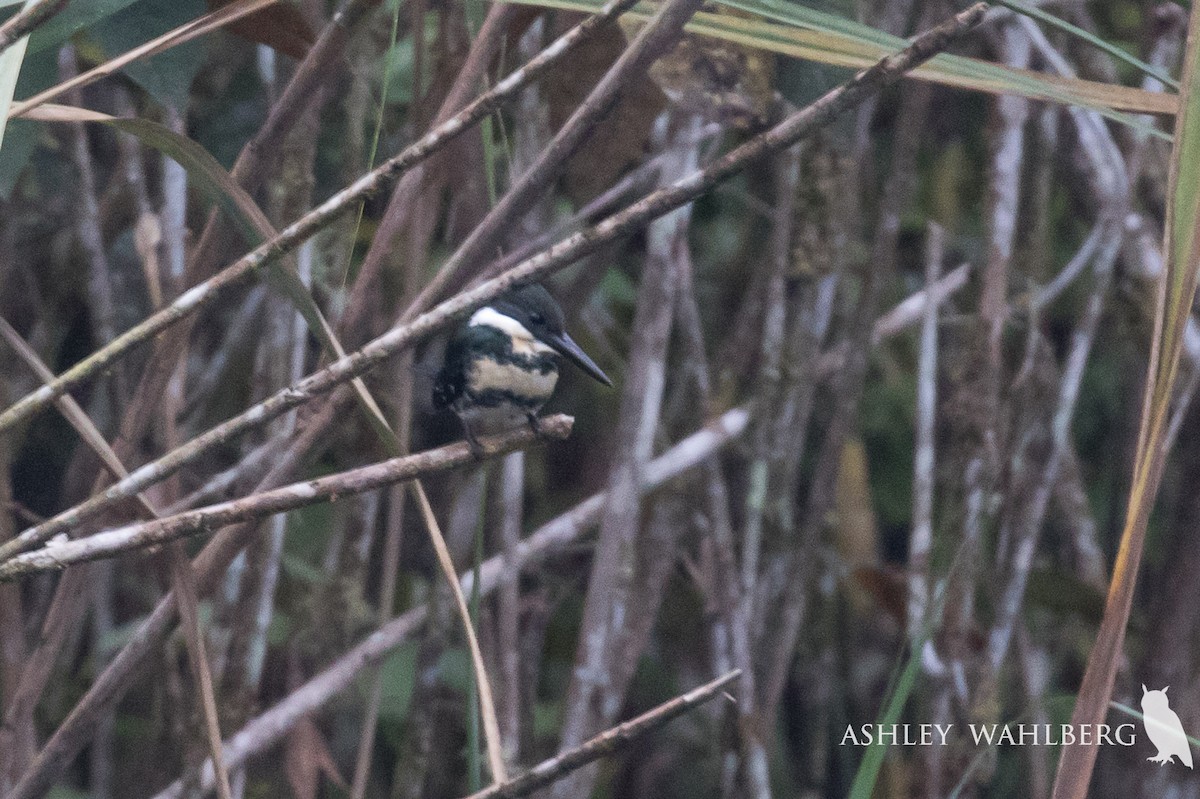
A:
{"points": [[1160, 759], [477, 451], [535, 424]]}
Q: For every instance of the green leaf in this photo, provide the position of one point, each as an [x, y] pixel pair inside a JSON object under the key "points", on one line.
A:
{"points": [[868, 770], [399, 674], [20, 140], [39, 71], [10, 70], [71, 20], [167, 76]]}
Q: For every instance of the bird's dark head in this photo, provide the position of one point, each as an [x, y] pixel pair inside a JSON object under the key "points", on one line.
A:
{"points": [[535, 310]]}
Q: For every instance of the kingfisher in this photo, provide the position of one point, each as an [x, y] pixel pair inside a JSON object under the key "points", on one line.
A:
{"points": [[501, 366]]}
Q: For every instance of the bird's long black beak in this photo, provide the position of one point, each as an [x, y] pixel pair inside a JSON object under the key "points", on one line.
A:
{"points": [[566, 345]]}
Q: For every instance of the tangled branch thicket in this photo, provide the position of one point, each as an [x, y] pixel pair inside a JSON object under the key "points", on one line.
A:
{"points": [[878, 342]]}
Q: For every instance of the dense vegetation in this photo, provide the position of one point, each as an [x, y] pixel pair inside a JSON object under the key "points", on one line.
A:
{"points": [[877, 407]]}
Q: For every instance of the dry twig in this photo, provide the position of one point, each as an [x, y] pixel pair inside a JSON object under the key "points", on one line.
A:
{"points": [[606, 743]]}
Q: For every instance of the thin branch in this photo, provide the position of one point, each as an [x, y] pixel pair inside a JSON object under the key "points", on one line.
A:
{"points": [[658, 203], [656, 38], [1033, 513], [487, 705], [203, 294], [406, 195], [912, 308], [921, 539], [224, 15], [606, 743], [267, 503], [556, 535], [27, 19]]}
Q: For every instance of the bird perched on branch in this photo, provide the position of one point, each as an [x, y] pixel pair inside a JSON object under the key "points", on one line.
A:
{"points": [[501, 366]]}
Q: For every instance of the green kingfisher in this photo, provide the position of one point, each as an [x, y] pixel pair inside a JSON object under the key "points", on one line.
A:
{"points": [[502, 365]]}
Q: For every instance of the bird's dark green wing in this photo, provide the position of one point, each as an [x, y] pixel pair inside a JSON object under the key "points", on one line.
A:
{"points": [[450, 382]]}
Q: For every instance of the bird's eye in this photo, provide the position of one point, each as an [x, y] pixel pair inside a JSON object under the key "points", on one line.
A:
{"points": [[537, 318]]}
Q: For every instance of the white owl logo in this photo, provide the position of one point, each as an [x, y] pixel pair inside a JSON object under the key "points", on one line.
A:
{"points": [[1164, 728]]}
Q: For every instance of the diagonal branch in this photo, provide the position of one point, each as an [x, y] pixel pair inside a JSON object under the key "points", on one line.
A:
{"points": [[269, 728], [606, 743], [291, 237], [185, 33], [400, 338], [556, 535], [267, 503], [28, 18]]}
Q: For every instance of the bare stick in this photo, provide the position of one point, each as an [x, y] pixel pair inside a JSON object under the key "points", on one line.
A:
{"points": [[207, 519], [295, 234], [182, 579], [487, 705], [921, 539], [606, 743], [566, 252], [272, 726], [28, 18], [198, 27]]}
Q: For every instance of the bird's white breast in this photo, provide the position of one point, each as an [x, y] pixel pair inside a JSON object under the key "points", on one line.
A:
{"points": [[486, 373]]}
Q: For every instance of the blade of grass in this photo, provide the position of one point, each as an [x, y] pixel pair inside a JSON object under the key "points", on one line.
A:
{"points": [[1033, 12], [34, 14], [867, 775], [1137, 714], [212, 178], [487, 706], [474, 765], [805, 33], [377, 129], [1173, 305], [10, 69], [219, 187], [184, 33], [840, 36], [183, 581]]}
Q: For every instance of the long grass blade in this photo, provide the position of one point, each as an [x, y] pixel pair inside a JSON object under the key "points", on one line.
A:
{"points": [[1033, 12], [173, 38], [1173, 306], [219, 187], [10, 69], [182, 580], [801, 32], [33, 15]]}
